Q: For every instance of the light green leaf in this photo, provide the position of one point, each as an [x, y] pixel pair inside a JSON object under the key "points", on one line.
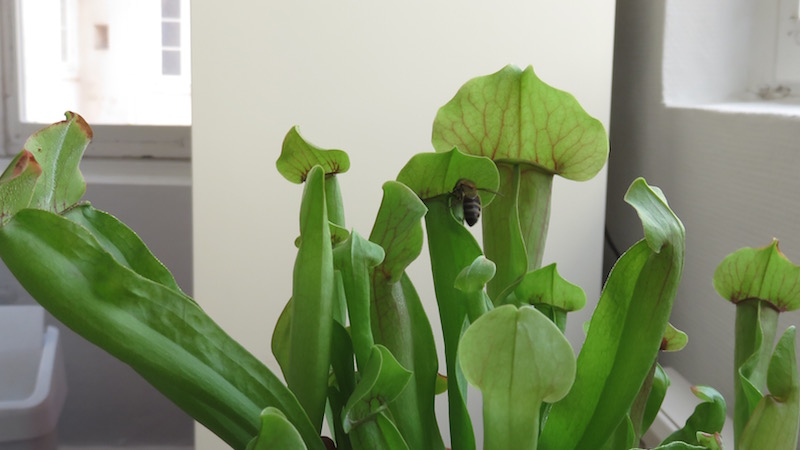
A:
{"points": [[398, 319], [775, 423], [512, 115], [677, 446], [546, 286], [710, 441], [504, 230], [658, 391], [498, 354], [674, 339], [620, 347], [398, 229], [355, 258], [17, 184], [163, 335], [708, 416], [276, 433], [381, 382], [58, 149], [299, 156], [475, 276], [312, 303], [759, 273], [431, 175]]}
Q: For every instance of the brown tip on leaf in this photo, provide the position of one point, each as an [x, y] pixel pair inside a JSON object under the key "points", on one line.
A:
{"points": [[26, 159], [664, 344], [80, 122]]}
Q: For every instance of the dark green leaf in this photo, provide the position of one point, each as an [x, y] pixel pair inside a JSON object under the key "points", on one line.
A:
{"points": [[620, 347], [312, 303], [122, 243], [159, 332]]}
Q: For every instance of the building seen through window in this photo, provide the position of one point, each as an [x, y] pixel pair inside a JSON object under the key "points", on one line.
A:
{"points": [[113, 61]]}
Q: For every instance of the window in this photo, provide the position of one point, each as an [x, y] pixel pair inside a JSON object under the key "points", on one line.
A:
{"points": [[775, 71], [733, 55], [122, 64]]}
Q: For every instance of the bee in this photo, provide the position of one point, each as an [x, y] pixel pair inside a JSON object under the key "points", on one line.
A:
{"points": [[466, 192]]}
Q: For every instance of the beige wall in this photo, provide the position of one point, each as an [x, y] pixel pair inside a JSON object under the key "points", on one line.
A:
{"points": [[366, 77]]}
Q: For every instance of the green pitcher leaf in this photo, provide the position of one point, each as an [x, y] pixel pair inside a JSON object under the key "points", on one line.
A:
{"points": [[431, 175], [658, 392], [624, 437], [546, 286], [282, 338], [620, 347], [708, 416], [674, 339], [710, 441], [312, 302], [342, 385], [475, 276], [761, 282], [299, 156], [382, 381], [472, 280], [452, 248], [512, 115], [122, 243], [676, 446], [58, 149], [397, 317], [378, 434], [759, 273], [276, 433], [398, 229], [775, 423], [17, 184], [159, 332], [518, 359], [354, 259]]}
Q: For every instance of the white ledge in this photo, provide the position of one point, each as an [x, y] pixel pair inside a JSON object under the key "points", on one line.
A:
{"points": [[150, 172]]}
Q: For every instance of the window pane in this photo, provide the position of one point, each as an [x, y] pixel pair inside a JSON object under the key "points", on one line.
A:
{"points": [[171, 34], [171, 9], [105, 59], [171, 62]]}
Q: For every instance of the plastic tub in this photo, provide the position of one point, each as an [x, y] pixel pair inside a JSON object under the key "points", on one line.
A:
{"points": [[32, 379]]}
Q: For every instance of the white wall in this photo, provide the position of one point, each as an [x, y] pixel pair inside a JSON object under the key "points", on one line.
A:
{"points": [[730, 176], [367, 77]]}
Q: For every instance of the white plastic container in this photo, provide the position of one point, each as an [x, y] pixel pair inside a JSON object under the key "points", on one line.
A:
{"points": [[32, 380]]}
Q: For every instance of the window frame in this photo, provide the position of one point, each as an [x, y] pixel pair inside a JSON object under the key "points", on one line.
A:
{"points": [[110, 141]]}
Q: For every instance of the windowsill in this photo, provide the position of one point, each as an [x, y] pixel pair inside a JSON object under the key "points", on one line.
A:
{"points": [[153, 172], [778, 109]]}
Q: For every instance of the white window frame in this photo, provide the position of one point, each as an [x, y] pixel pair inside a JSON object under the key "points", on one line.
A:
{"points": [[110, 141]]}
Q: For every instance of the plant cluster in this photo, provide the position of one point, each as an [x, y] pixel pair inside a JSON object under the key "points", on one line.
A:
{"points": [[354, 343]]}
